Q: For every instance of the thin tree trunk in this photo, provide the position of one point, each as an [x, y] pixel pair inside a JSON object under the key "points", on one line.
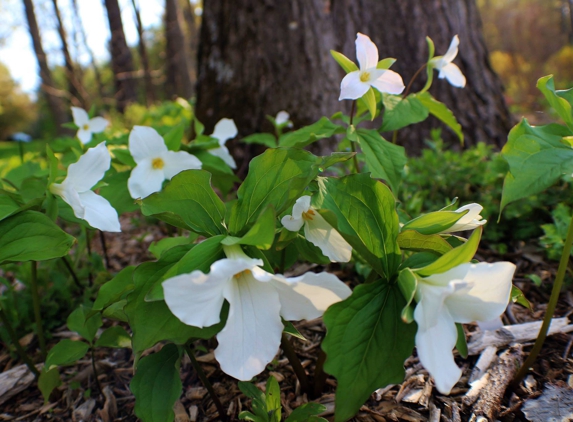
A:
{"points": [[192, 38], [178, 78], [149, 92], [53, 96], [121, 60]]}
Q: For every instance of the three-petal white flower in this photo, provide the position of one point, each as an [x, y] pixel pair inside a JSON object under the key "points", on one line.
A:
{"points": [[225, 129], [76, 190], [470, 221], [282, 118], [155, 162], [464, 294], [446, 68], [317, 230], [355, 84], [257, 299], [86, 126]]}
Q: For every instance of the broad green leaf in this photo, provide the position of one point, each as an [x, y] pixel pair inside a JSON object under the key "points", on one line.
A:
{"points": [[115, 337], [8, 206], [261, 235], [66, 352], [190, 197], [434, 222], [366, 217], [174, 137], [386, 63], [48, 381], [32, 236], [306, 135], [400, 112], [453, 258], [266, 139], [258, 405], [157, 384], [344, 62], [157, 248], [366, 344], [273, 399], [53, 163], [414, 241], [537, 158], [116, 192], [83, 322], [335, 158], [223, 177], [33, 188], [370, 100], [307, 413], [441, 112], [124, 157], [557, 102], [408, 284], [114, 289], [310, 252], [419, 260], [384, 159]]}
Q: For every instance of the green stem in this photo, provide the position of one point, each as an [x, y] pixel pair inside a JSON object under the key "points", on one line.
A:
{"points": [[550, 306], [36, 304], [104, 249], [203, 377], [319, 374], [72, 272], [407, 91], [352, 146], [19, 349], [95, 371], [293, 359]]}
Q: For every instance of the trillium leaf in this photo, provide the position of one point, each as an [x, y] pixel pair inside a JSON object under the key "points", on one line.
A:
{"points": [[157, 384], [223, 177], [116, 192], [385, 160], [84, 323], [32, 236], [408, 283], [370, 100], [386, 63], [8, 206], [189, 197], [48, 381], [560, 104], [304, 136], [273, 399], [335, 158], [414, 241], [174, 137], [400, 112], [66, 352], [114, 289], [124, 156], [461, 344], [115, 337], [434, 222], [307, 413], [344, 62], [266, 139], [261, 235], [441, 112], [366, 344], [159, 247]]}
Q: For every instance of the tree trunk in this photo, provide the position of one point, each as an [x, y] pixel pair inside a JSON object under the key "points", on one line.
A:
{"points": [[256, 58], [192, 35], [53, 95], [178, 77], [149, 91], [121, 60]]}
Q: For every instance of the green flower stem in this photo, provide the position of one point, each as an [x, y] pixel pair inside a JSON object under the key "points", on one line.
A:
{"points": [[95, 371], [104, 249], [550, 306], [293, 359], [203, 377], [71, 271], [319, 374], [352, 146], [21, 352], [407, 91], [36, 304], [89, 250]]}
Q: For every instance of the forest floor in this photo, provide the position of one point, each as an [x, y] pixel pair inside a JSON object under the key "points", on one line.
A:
{"points": [[549, 386]]}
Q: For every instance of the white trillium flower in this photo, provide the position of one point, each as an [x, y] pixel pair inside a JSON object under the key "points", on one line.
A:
{"points": [[76, 190], [225, 129], [283, 117], [317, 231], [155, 163], [356, 84], [257, 299], [464, 294], [87, 126], [469, 221], [448, 69]]}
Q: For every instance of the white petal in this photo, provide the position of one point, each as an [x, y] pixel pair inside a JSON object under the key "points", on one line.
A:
{"points": [[224, 130], [84, 136], [89, 169], [389, 82], [223, 153], [469, 221], [452, 50], [432, 298], [80, 116], [144, 180], [70, 196], [453, 74], [97, 124], [291, 223], [351, 87], [145, 142], [301, 205], [99, 213], [176, 162], [282, 117], [252, 335], [308, 296], [331, 243], [487, 295], [434, 345], [366, 52]]}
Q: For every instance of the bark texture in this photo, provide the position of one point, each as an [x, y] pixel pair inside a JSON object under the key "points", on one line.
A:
{"points": [[148, 82], [121, 60], [256, 58], [178, 77]]}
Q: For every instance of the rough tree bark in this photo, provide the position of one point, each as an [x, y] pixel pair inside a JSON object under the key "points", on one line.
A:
{"points": [[256, 58], [53, 97], [149, 91], [178, 81], [121, 60], [192, 35]]}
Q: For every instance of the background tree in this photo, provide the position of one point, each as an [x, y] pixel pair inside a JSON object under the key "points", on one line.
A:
{"points": [[149, 91], [178, 81]]}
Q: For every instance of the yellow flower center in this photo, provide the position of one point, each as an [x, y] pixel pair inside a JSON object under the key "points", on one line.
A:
{"points": [[157, 163], [85, 127], [364, 76], [307, 216], [244, 273]]}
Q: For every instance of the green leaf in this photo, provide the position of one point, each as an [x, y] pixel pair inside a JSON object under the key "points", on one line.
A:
{"points": [[537, 158], [291, 329], [273, 399], [307, 413], [366, 217], [335, 158], [400, 112], [32, 236], [157, 384], [434, 222], [66, 352], [48, 381], [408, 284], [441, 112], [116, 192], [223, 177], [261, 235], [115, 337], [344, 62], [189, 197], [414, 241], [157, 248], [370, 100], [453, 258], [174, 137], [124, 157], [366, 344], [114, 289], [557, 102], [259, 405], [266, 139], [386, 63], [461, 343], [83, 322], [384, 159], [304, 136], [517, 296], [8, 206]]}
